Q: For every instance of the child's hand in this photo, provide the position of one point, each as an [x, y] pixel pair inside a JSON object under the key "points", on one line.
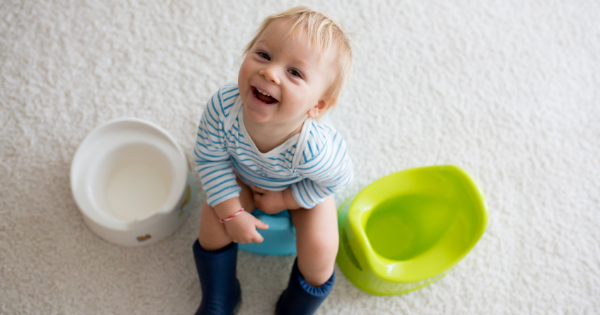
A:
{"points": [[269, 202], [242, 228]]}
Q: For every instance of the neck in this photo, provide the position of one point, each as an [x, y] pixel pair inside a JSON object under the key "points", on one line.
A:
{"points": [[267, 137]]}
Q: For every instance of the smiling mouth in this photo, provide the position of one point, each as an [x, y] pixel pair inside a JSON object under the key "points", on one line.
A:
{"points": [[263, 96]]}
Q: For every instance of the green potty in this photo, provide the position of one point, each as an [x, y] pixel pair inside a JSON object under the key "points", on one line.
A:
{"points": [[406, 230]]}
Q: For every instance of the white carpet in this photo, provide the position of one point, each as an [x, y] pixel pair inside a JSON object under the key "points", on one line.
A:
{"points": [[508, 90]]}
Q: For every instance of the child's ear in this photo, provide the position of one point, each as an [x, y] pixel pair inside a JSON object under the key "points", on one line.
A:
{"points": [[322, 106]]}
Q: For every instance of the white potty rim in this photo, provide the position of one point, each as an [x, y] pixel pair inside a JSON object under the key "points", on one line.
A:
{"points": [[112, 141]]}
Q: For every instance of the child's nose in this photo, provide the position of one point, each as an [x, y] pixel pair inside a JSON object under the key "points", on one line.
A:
{"points": [[270, 75]]}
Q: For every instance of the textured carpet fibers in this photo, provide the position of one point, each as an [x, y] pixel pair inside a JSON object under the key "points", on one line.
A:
{"points": [[508, 90]]}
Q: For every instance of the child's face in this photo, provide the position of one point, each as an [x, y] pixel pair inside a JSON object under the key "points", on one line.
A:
{"points": [[291, 71]]}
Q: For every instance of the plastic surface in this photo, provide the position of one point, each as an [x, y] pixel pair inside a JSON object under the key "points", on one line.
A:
{"points": [[101, 157], [279, 238], [406, 230], [221, 290]]}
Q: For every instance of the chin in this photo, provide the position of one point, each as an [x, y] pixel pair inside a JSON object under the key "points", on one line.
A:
{"points": [[254, 115]]}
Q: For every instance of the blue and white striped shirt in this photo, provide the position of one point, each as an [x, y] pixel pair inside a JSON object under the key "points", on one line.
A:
{"points": [[314, 163]]}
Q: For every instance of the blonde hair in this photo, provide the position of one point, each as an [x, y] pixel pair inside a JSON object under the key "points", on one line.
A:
{"points": [[324, 32]]}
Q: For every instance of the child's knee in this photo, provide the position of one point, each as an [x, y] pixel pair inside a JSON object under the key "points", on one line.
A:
{"points": [[316, 260], [329, 247], [321, 249], [212, 234]]}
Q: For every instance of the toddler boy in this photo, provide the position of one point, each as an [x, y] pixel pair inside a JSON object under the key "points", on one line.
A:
{"points": [[259, 145]]}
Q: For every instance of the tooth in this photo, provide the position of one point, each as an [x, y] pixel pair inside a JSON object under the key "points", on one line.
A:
{"points": [[263, 93]]}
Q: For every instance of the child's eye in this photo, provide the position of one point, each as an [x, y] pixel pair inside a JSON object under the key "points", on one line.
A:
{"points": [[264, 55], [295, 73]]}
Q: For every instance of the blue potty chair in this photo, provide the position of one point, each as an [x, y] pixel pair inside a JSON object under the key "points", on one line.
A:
{"points": [[279, 238]]}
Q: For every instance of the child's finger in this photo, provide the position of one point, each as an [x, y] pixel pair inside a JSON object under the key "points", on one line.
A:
{"points": [[261, 225], [258, 238]]}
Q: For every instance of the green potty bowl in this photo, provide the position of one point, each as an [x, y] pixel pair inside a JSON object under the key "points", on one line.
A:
{"points": [[408, 229]]}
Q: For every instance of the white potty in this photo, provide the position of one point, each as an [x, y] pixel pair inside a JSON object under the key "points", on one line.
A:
{"points": [[132, 182]]}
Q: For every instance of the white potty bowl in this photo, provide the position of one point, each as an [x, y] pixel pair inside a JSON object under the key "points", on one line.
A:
{"points": [[132, 182]]}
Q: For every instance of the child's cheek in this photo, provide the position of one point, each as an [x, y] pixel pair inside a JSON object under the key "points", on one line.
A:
{"points": [[243, 77]]}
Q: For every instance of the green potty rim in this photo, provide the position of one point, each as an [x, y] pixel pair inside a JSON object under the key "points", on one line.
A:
{"points": [[456, 186]]}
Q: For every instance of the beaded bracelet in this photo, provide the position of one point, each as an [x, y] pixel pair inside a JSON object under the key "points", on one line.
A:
{"points": [[231, 216]]}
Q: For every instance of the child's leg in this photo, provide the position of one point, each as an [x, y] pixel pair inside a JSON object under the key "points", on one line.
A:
{"points": [[312, 276], [212, 234], [216, 259], [317, 241]]}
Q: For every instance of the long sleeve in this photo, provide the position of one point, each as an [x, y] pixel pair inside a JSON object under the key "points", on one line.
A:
{"points": [[326, 168], [213, 162]]}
